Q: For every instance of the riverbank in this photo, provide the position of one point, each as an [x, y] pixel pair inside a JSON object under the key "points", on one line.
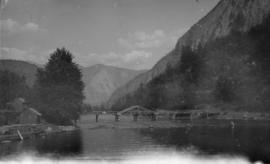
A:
{"points": [[107, 121], [232, 115], [15, 132]]}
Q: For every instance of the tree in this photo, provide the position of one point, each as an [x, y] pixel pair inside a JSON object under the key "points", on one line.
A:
{"points": [[191, 68], [261, 36], [60, 88], [12, 86], [225, 89], [191, 64]]}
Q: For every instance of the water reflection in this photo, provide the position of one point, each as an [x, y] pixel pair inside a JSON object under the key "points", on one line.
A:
{"points": [[66, 144], [250, 139], [112, 143], [53, 145], [246, 139]]}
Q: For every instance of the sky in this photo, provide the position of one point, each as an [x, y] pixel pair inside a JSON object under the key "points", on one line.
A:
{"points": [[132, 34]]}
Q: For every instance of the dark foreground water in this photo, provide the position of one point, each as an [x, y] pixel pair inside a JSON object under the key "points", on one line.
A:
{"points": [[247, 139]]}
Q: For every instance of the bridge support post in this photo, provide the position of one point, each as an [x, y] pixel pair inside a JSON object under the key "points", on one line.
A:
{"points": [[154, 117], [116, 117], [97, 117], [174, 116]]}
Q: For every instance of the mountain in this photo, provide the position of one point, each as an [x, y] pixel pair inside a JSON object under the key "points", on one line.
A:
{"points": [[101, 81], [227, 17], [22, 68]]}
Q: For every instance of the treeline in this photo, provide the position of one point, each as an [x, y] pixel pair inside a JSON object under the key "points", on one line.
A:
{"points": [[57, 92], [11, 87], [232, 72]]}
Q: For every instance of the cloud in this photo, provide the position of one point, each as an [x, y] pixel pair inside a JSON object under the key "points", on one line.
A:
{"points": [[3, 3], [125, 43], [136, 55], [133, 59], [11, 26], [156, 39], [142, 46], [31, 27], [143, 40], [25, 55], [142, 36]]}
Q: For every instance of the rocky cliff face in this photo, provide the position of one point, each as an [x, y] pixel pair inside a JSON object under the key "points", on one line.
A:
{"points": [[227, 16], [101, 81]]}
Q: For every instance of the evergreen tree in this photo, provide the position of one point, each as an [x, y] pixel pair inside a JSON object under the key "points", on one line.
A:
{"points": [[60, 88]]}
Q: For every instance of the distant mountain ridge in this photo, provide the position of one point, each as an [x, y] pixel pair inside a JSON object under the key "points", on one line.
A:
{"points": [[100, 80], [21, 68], [227, 16]]}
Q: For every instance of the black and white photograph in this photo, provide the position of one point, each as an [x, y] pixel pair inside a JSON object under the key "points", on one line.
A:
{"points": [[135, 81]]}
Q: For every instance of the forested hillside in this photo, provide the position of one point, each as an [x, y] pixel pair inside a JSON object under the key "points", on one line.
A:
{"points": [[230, 73]]}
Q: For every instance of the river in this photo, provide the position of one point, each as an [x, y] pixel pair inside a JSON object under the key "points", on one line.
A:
{"points": [[249, 139]]}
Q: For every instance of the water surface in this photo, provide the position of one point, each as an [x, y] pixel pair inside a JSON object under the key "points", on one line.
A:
{"points": [[247, 139]]}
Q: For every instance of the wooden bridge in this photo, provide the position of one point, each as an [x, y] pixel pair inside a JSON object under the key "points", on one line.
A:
{"points": [[187, 114], [137, 111]]}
